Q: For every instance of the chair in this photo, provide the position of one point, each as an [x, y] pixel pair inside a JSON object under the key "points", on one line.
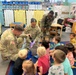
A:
{"points": [[54, 29]]}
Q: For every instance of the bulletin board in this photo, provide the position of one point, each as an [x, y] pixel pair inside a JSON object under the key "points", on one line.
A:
{"points": [[9, 17], [63, 11], [20, 16], [73, 9]]}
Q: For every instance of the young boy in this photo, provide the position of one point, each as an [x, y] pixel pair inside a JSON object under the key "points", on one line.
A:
{"points": [[58, 57], [17, 68], [56, 40], [66, 63]]}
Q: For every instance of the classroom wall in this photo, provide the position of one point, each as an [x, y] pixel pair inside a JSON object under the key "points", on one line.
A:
{"points": [[1, 14], [2, 19]]}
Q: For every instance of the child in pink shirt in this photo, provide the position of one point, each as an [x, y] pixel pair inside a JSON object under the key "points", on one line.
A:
{"points": [[70, 54], [43, 62]]}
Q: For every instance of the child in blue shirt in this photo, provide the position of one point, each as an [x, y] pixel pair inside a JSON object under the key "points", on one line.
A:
{"points": [[56, 40]]}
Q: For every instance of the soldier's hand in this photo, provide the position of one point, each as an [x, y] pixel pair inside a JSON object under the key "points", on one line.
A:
{"points": [[28, 34]]}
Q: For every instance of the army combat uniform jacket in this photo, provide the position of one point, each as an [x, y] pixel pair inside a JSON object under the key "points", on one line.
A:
{"points": [[8, 45], [35, 35]]}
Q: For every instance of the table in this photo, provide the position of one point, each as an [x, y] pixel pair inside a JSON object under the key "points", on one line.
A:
{"points": [[74, 27]]}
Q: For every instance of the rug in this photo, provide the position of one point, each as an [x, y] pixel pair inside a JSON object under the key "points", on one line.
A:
{"points": [[33, 58], [11, 64]]}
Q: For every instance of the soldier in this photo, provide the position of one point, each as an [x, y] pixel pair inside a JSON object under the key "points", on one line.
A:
{"points": [[8, 46], [33, 33], [46, 22]]}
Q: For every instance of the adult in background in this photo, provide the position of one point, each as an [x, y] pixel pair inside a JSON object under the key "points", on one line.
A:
{"points": [[9, 44], [46, 22], [32, 34]]}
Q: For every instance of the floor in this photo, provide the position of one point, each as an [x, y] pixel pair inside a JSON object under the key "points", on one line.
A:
{"points": [[4, 64]]}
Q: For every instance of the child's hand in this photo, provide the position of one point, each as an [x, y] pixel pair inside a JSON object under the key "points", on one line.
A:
{"points": [[51, 52], [39, 73]]}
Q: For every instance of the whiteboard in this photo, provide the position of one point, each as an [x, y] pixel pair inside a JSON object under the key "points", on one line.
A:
{"points": [[9, 17]]}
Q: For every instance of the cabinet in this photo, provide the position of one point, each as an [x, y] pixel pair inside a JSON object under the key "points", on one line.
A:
{"points": [[74, 27]]}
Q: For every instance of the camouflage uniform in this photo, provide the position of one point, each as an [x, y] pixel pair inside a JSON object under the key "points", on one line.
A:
{"points": [[8, 45], [46, 24], [35, 34]]}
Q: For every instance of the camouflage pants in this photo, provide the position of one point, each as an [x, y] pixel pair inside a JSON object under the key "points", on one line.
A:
{"points": [[6, 56], [45, 31]]}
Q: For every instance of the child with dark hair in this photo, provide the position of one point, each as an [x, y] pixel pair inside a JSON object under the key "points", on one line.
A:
{"points": [[66, 63], [56, 41], [58, 57], [72, 38], [46, 43], [17, 68], [70, 54]]}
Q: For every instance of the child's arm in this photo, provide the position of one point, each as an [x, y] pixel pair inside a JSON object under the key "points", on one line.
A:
{"points": [[41, 70], [51, 52]]}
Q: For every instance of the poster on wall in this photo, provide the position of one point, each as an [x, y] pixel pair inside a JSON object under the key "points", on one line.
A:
{"points": [[62, 11], [65, 11], [73, 10]]}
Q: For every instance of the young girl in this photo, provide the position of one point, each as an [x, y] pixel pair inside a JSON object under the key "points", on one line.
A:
{"points": [[58, 57], [17, 68], [28, 68], [70, 54], [43, 62]]}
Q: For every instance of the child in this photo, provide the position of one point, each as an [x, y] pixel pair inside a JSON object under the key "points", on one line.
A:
{"points": [[28, 68], [46, 43], [58, 57], [43, 61], [70, 54], [17, 69], [66, 63], [56, 41], [72, 38]]}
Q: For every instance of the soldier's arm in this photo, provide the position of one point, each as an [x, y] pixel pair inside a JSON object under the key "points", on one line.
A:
{"points": [[42, 21], [27, 34], [38, 34]]}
